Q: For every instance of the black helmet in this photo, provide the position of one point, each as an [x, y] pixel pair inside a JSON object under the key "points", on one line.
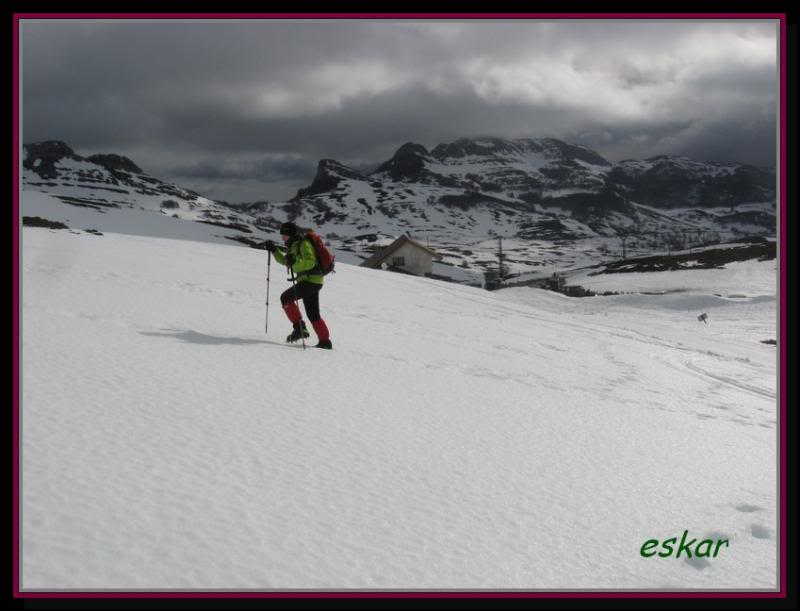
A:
{"points": [[289, 229]]}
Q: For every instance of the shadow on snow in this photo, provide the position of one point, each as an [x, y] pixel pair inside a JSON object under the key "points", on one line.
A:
{"points": [[195, 337]]}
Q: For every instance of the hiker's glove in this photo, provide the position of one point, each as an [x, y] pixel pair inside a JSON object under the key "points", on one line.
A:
{"points": [[269, 245], [290, 259]]}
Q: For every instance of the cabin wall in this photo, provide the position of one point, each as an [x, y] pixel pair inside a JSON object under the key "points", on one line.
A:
{"points": [[416, 261]]}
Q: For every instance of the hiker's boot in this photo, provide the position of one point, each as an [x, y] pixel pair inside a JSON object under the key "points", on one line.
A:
{"points": [[324, 336], [299, 331]]}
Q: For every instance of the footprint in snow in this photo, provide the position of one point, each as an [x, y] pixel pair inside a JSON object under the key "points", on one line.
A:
{"points": [[697, 563], [760, 532], [700, 563]]}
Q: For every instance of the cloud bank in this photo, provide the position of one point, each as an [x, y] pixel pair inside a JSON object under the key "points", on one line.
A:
{"points": [[248, 108]]}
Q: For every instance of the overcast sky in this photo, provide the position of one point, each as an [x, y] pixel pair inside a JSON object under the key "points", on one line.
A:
{"points": [[243, 111]]}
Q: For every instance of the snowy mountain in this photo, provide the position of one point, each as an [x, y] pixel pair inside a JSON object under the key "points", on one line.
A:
{"points": [[107, 182], [559, 205], [453, 439], [536, 189], [675, 182]]}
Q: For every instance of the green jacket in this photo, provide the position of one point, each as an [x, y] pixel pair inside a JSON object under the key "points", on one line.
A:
{"points": [[305, 261]]}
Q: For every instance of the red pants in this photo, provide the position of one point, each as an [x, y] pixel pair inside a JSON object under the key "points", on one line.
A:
{"points": [[309, 293]]}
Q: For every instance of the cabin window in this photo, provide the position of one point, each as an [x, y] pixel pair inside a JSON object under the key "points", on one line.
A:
{"points": [[399, 261]]}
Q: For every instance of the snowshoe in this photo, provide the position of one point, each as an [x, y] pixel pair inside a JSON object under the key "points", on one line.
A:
{"points": [[325, 343]]}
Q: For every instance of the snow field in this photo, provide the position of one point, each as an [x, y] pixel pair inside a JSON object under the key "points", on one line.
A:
{"points": [[453, 438]]}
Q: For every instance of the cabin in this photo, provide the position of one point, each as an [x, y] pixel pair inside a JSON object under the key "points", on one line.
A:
{"points": [[404, 255]]}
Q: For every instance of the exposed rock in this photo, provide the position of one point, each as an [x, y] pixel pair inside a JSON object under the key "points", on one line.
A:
{"points": [[36, 221], [115, 163], [407, 164], [41, 157], [573, 152], [677, 182], [329, 174], [464, 147]]}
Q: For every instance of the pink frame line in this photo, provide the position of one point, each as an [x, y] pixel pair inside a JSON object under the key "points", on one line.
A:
{"points": [[623, 594]]}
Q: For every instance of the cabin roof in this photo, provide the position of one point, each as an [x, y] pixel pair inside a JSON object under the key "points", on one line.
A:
{"points": [[379, 257]]}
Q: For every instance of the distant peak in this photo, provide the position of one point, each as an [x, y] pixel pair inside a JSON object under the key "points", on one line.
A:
{"points": [[464, 147], [407, 163], [329, 174], [49, 149], [42, 157], [330, 163], [411, 149], [333, 167], [115, 162]]}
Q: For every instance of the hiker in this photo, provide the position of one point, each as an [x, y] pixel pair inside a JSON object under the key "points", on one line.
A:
{"points": [[302, 259]]}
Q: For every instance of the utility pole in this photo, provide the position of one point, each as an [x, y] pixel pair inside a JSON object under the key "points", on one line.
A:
{"points": [[500, 257]]}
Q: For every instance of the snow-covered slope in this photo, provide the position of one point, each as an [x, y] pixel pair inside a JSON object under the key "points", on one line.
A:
{"points": [[105, 183], [125, 220], [454, 438]]}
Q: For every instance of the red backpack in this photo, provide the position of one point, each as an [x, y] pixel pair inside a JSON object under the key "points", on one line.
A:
{"points": [[325, 258]]}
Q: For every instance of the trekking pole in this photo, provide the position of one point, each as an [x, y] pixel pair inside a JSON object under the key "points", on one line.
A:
{"points": [[269, 264], [294, 292]]}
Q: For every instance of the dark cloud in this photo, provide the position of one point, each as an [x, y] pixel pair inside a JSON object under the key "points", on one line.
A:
{"points": [[267, 169], [753, 141], [250, 107]]}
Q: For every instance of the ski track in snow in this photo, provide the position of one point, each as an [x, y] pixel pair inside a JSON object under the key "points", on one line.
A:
{"points": [[454, 438]]}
